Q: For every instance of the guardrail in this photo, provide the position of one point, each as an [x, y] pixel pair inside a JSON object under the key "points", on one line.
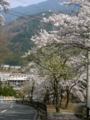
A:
{"points": [[41, 107]]}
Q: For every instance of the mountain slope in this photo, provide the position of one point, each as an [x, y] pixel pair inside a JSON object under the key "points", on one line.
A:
{"points": [[21, 31]]}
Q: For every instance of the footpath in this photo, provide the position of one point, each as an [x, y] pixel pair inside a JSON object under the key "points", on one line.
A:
{"points": [[63, 115]]}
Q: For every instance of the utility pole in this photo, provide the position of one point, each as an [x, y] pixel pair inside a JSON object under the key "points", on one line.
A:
{"points": [[88, 84]]}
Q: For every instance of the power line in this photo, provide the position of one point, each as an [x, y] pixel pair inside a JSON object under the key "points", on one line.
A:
{"points": [[32, 5], [12, 14], [36, 7], [39, 8], [18, 13], [30, 15], [22, 2], [21, 13], [27, 17]]}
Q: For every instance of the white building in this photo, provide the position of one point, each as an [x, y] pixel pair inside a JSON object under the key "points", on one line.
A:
{"points": [[10, 67], [17, 67], [15, 79], [5, 67]]}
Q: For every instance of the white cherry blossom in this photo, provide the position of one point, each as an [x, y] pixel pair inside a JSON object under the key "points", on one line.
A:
{"points": [[5, 7]]}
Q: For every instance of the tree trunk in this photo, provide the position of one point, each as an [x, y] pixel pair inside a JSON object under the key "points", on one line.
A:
{"points": [[61, 98], [67, 101], [57, 108], [30, 98], [56, 94], [47, 97], [44, 100], [53, 102], [57, 102], [23, 100]]}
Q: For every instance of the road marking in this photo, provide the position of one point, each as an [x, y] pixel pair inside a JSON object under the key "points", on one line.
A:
{"points": [[11, 106], [4, 111], [35, 115]]}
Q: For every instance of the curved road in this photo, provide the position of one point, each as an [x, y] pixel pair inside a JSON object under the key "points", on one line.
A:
{"points": [[13, 111]]}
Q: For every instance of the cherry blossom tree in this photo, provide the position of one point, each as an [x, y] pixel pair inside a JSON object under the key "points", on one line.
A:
{"points": [[73, 30], [5, 7], [57, 68], [33, 80], [23, 91], [74, 87], [45, 91], [28, 88]]}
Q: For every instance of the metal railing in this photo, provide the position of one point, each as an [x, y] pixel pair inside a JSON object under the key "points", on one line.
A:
{"points": [[39, 106], [42, 108]]}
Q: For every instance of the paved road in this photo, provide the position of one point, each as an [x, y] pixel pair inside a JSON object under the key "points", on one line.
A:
{"points": [[13, 111]]}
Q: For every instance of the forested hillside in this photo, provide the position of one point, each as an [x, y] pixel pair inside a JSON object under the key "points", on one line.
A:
{"points": [[20, 33]]}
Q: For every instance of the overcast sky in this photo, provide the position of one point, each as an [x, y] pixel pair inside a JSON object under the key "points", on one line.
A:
{"points": [[15, 3]]}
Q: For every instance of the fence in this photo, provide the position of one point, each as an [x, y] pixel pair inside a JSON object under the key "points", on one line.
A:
{"points": [[41, 108]]}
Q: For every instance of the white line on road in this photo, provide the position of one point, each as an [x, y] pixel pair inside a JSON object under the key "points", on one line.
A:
{"points": [[35, 115], [4, 111], [11, 106]]}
